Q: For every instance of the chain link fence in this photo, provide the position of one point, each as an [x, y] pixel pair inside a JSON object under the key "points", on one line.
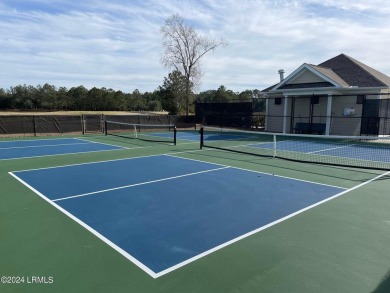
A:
{"points": [[48, 125]]}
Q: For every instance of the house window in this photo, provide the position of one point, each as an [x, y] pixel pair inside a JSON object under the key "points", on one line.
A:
{"points": [[360, 99], [278, 101], [314, 100]]}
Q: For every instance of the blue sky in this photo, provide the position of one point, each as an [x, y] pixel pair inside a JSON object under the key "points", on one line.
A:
{"points": [[117, 44]]}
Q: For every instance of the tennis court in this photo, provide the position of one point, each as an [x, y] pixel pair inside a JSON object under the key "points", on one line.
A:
{"points": [[160, 232], [159, 217], [364, 152], [19, 149]]}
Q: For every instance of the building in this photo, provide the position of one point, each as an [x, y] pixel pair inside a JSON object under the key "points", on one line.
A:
{"points": [[340, 96]]}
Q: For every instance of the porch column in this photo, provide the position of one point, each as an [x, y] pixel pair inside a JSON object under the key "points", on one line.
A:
{"points": [[285, 114], [266, 114], [328, 114]]}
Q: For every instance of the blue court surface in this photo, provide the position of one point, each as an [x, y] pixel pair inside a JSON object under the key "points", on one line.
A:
{"points": [[47, 147], [195, 136], [352, 151], [163, 212]]}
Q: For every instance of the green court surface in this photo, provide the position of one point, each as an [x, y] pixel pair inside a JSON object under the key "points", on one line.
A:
{"points": [[341, 245]]}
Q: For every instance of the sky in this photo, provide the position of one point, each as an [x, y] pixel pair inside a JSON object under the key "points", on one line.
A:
{"points": [[117, 44]]}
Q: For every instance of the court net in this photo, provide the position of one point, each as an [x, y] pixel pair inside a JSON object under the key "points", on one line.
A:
{"points": [[147, 132], [348, 151]]}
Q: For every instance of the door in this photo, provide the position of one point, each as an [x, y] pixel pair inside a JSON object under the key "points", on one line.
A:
{"points": [[370, 117]]}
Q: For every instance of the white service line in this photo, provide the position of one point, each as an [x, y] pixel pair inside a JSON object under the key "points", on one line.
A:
{"points": [[259, 172], [44, 145], [137, 184]]}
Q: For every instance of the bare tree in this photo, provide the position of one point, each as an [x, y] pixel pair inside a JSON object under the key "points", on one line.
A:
{"points": [[183, 50]]}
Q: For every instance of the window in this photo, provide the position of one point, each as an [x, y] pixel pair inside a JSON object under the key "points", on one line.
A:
{"points": [[314, 100], [360, 99], [278, 101]]}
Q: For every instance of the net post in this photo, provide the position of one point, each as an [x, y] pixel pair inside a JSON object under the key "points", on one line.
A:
{"points": [[105, 127], [274, 145], [102, 123], [174, 135], [34, 125], [201, 131], [135, 131]]}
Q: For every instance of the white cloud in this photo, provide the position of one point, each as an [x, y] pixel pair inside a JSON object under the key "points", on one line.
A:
{"points": [[117, 43]]}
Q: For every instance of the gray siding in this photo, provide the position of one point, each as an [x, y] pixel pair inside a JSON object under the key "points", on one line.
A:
{"points": [[345, 125], [275, 116]]}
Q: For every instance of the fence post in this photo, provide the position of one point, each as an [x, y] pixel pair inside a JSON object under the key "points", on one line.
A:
{"points": [[201, 131], [82, 124], [34, 126], [174, 135]]}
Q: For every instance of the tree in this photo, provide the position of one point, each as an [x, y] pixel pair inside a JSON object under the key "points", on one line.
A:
{"points": [[78, 98], [5, 100], [183, 50], [46, 97], [63, 99], [224, 94], [154, 106], [173, 92], [24, 96], [136, 101]]}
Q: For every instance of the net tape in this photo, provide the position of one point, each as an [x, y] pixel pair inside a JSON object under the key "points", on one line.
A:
{"points": [[147, 132]]}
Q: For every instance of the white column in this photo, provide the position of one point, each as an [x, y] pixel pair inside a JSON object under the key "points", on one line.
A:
{"points": [[285, 114], [266, 113], [328, 115]]}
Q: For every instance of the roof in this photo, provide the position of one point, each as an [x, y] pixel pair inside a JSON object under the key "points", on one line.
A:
{"points": [[353, 72], [343, 71]]}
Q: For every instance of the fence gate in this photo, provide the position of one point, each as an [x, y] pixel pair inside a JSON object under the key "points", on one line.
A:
{"points": [[93, 123]]}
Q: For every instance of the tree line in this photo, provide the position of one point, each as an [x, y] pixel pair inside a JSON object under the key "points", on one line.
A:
{"points": [[169, 97]]}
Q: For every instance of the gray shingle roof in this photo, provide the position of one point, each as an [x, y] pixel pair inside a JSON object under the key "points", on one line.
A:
{"points": [[330, 74], [349, 72]]}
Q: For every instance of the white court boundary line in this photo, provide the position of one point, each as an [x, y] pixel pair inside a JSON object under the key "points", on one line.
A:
{"points": [[264, 173], [44, 145], [175, 267], [36, 139], [329, 149], [205, 253], [122, 159], [83, 142]]}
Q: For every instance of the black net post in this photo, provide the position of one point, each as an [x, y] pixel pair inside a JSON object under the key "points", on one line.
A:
{"points": [[105, 127], [201, 131], [83, 130], [34, 126], [174, 135]]}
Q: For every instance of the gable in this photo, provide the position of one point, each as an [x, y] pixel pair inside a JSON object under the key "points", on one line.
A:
{"points": [[306, 79], [340, 72], [306, 76]]}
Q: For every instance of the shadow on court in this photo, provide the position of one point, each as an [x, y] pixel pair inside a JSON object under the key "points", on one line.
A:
{"points": [[384, 286]]}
